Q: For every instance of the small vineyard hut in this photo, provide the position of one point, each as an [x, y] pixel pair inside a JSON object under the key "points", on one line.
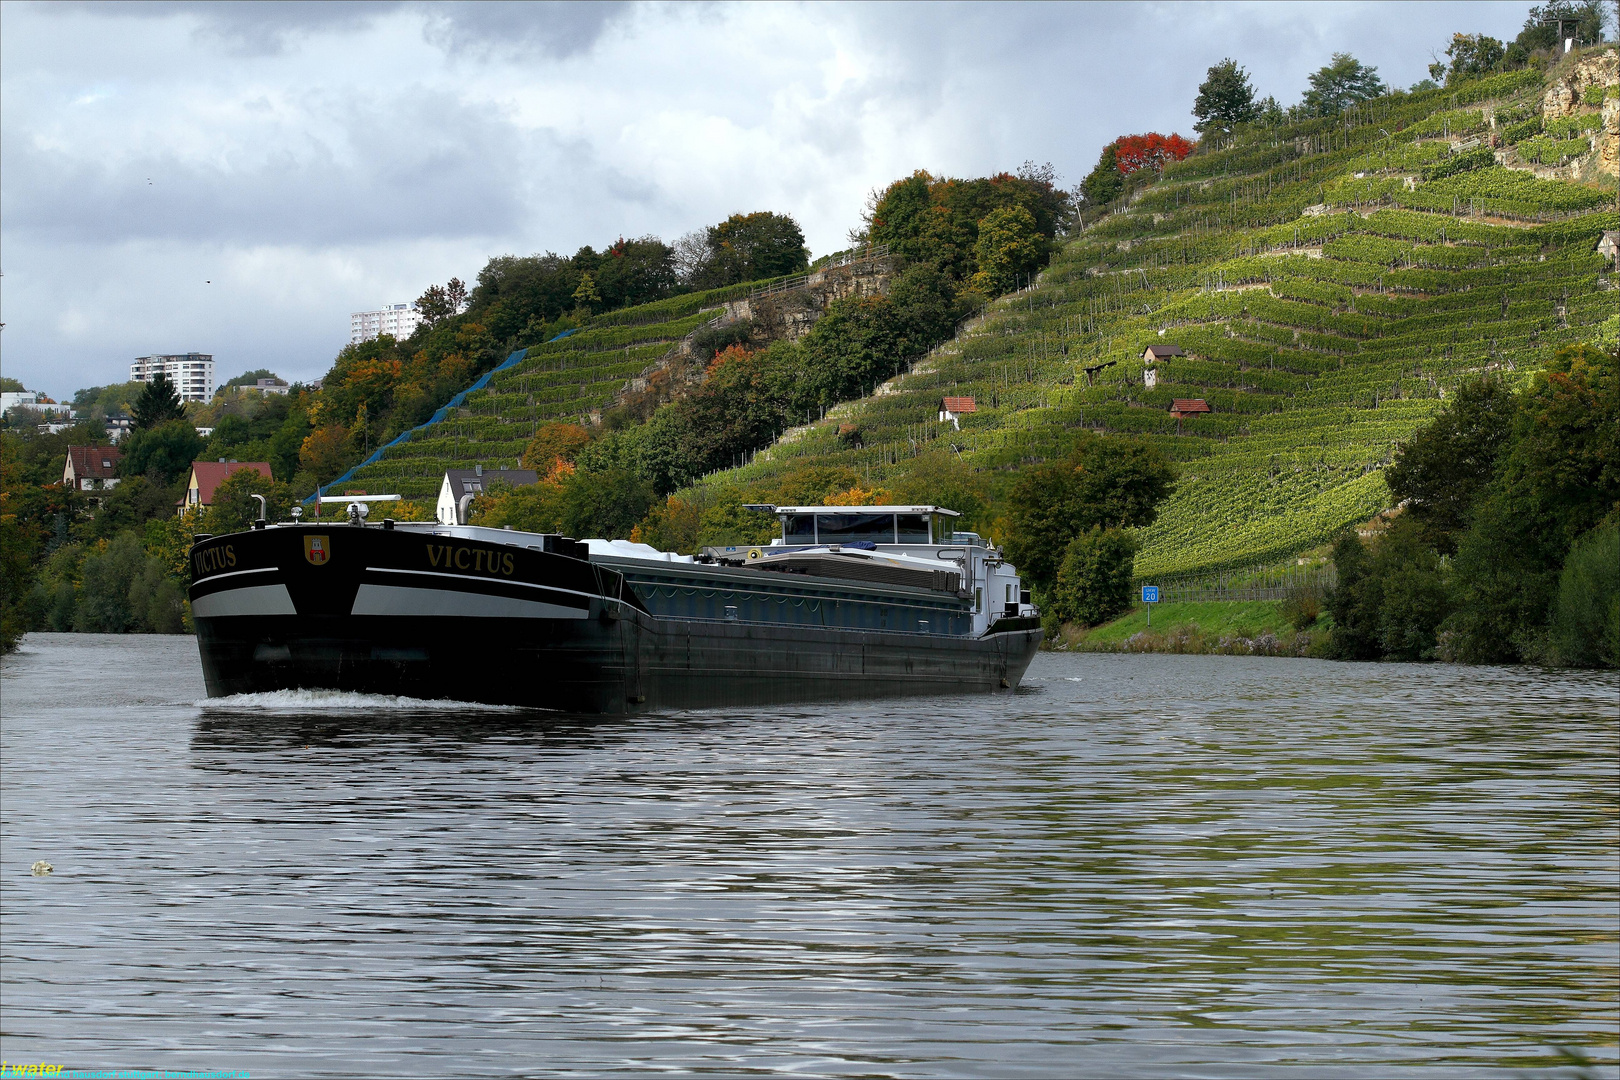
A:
{"points": [[1185, 407], [1152, 357], [951, 409]]}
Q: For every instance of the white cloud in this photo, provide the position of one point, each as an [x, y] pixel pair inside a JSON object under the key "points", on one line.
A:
{"points": [[238, 178]]}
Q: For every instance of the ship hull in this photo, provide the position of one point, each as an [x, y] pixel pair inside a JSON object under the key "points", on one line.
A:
{"points": [[380, 613]]}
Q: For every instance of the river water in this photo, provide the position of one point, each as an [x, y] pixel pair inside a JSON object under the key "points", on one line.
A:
{"points": [[1135, 866]]}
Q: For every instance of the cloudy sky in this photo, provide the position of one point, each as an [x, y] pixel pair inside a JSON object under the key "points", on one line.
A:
{"points": [[237, 178]]}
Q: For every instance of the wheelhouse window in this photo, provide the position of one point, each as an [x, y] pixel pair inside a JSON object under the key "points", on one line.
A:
{"points": [[911, 528], [854, 528], [799, 528]]}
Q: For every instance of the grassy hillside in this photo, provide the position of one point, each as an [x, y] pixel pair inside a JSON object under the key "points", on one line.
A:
{"points": [[1330, 282]]}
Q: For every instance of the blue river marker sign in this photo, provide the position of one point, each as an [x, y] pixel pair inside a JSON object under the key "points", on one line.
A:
{"points": [[1150, 596]]}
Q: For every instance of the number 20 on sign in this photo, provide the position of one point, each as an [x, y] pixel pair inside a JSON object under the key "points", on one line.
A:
{"points": [[1150, 596]]}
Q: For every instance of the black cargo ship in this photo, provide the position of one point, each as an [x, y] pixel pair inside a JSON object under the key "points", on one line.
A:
{"points": [[847, 603]]}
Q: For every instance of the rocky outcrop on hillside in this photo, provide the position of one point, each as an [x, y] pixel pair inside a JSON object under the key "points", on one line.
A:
{"points": [[1566, 95], [1608, 156], [786, 312], [782, 312]]}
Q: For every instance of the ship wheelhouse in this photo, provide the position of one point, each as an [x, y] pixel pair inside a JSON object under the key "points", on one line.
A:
{"points": [[815, 526], [909, 535]]}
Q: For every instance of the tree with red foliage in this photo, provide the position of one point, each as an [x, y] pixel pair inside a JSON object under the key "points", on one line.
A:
{"points": [[1151, 151]]}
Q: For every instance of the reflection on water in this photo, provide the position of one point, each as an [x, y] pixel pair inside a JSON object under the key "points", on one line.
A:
{"points": [[1139, 865]]}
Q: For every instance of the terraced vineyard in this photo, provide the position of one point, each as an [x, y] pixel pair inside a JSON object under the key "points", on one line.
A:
{"points": [[1328, 295], [1329, 281], [566, 378]]}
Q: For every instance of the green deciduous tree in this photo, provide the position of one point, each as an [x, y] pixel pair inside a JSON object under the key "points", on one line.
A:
{"points": [[635, 272], [110, 400], [1391, 596], [111, 587], [1557, 479], [1103, 483], [935, 220], [130, 505], [109, 577], [1340, 83], [1585, 623], [20, 544], [860, 342], [586, 298], [1225, 99], [250, 378], [1584, 21], [1094, 578], [899, 216], [1353, 602], [607, 504], [1439, 472], [439, 302], [234, 508], [162, 453], [1521, 486], [1009, 247], [283, 445], [750, 247], [1472, 55], [1104, 183], [1413, 597], [1584, 628]]}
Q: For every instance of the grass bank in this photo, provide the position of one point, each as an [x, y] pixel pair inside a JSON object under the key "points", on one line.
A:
{"points": [[1241, 628]]}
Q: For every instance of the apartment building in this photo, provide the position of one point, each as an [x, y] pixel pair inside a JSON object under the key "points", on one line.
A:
{"points": [[396, 320], [191, 373]]}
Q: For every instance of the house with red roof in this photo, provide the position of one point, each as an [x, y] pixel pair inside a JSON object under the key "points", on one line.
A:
{"points": [[91, 468], [1182, 408], [951, 408], [206, 476]]}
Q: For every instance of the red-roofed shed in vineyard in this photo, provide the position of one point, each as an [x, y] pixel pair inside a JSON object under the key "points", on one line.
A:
{"points": [[953, 407], [1185, 407]]}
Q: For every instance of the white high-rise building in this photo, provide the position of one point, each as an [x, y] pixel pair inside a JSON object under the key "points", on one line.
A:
{"points": [[191, 373], [396, 320]]}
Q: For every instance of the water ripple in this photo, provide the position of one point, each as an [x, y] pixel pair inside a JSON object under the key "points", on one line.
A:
{"points": [[1137, 866]]}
